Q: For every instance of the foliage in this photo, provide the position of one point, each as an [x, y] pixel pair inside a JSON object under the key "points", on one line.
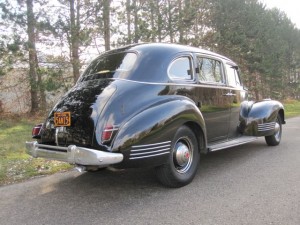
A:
{"points": [[264, 42], [15, 164]]}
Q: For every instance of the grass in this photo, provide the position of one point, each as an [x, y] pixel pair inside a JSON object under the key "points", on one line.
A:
{"points": [[15, 164], [292, 108]]}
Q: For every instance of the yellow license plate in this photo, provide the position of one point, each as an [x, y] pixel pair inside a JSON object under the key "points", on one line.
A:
{"points": [[62, 119]]}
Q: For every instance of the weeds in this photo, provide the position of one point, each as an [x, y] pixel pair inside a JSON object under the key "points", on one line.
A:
{"points": [[292, 108], [15, 164]]}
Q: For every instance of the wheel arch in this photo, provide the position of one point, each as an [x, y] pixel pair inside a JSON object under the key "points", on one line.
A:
{"points": [[262, 116], [282, 115], [200, 135], [155, 126]]}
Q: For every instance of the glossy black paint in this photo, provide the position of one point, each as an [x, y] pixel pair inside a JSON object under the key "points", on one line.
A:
{"points": [[147, 107], [262, 112], [85, 101]]}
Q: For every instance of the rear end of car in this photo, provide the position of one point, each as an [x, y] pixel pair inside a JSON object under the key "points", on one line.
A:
{"points": [[69, 132]]}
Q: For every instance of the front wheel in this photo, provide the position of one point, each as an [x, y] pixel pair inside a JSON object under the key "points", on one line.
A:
{"points": [[183, 160], [275, 139]]}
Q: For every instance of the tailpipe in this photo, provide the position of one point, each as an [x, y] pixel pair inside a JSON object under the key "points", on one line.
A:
{"points": [[80, 169]]}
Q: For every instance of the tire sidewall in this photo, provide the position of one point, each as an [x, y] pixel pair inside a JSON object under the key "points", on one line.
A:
{"points": [[188, 134], [272, 140]]}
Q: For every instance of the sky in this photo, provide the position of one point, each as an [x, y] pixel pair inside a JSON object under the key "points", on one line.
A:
{"points": [[290, 7]]}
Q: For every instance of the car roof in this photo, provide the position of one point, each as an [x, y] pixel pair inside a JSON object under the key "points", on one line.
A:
{"points": [[154, 58], [168, 47]]}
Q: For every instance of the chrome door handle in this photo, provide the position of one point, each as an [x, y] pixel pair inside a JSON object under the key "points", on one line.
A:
{"points": [[229, 94]]}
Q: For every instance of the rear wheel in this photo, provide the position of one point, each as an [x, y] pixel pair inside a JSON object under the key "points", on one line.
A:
{"points": [[275, 139], [183, 160]]}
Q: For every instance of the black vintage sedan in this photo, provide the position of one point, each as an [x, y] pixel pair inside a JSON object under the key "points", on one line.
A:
{"points": [[155, 105]]}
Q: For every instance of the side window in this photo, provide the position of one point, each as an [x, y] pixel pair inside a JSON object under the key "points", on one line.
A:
{"points": [[233, 76], [210, 70], [181, 69]]}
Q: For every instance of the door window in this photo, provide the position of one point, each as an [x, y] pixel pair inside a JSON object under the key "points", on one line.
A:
{"points": [[233, 76], [210, 70]]}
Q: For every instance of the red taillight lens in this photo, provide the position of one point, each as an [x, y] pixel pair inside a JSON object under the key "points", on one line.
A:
{"points": [[108, 133], [36, 131]]}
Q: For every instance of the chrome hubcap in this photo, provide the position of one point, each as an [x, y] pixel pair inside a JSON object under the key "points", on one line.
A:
{"points": [[277, 134], [183, 155]]}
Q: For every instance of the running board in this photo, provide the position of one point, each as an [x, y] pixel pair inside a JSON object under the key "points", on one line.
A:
{"points": [[231, 143]]}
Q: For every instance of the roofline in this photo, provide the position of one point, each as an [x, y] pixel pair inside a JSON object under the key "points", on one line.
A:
{"points": [[174, 46]]}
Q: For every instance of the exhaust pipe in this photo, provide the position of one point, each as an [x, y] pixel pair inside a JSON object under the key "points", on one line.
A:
{"points": [[80, 169]]}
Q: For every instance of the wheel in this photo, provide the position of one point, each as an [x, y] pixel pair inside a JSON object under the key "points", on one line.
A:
{"points": [[183, 161], [275, 139]]}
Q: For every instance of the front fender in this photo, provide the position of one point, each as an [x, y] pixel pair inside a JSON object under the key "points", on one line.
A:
{"points": [[152, 131], [262, 116]]}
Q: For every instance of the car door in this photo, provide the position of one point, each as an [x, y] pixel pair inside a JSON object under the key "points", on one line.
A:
{"points": [[211, 97], [237, 95]]}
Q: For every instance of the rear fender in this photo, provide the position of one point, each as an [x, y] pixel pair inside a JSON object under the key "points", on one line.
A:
{"points": [[262, 116], [153, 129]]}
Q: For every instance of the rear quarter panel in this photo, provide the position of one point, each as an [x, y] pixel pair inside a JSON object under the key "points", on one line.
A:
{"points": [[157, 124]]}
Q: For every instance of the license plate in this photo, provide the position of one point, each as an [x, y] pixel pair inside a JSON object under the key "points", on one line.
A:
{"points": [[62, 119]]}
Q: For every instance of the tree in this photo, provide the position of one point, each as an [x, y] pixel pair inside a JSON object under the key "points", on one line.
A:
{"points": [[25, 22], [106, 22], [74, 26], [128, 17], [33, 61], [263, 42], [258, 39], [74, 36]]}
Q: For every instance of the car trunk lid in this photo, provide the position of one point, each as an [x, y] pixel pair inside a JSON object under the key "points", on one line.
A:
{"points": [[73, 119]]}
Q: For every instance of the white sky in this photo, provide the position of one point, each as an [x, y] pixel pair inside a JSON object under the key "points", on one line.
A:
{"points": [[290, 7]]}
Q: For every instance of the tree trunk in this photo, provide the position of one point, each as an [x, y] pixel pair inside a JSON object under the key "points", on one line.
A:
{"points": [[106, 21], [170, 28], [152, 10], [32, 57], [75, 38], [43, 101], [128, 15], [136, 27], [180, 22], [159, 22]]}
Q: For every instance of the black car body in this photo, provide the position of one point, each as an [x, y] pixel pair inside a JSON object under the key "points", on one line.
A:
{"points": [[157, 105]]}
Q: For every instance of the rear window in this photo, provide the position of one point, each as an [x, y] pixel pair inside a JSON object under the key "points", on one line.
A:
{"points": [[110, 66]]}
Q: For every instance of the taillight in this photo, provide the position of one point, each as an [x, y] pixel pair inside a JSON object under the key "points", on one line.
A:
{"points": [[108, 133], [36, 131]]}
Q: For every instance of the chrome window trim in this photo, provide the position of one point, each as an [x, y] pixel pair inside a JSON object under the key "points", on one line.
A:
{"points": [[224, 78], [192, 80], [223, 86], [237, 73]]}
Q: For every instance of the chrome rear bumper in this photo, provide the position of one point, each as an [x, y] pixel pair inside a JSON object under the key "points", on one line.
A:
{"points": [[73, 154]]}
